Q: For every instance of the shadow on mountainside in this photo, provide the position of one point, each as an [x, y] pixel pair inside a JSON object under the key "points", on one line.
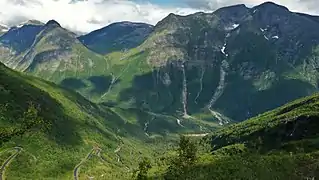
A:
{"points": [[240, 98]]}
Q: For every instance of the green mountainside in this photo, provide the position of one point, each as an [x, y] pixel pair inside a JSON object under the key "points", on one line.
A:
{"points": [[53, 129], [279, 144], [219, 65]]}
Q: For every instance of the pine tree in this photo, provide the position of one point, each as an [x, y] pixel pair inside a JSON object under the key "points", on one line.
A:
{"points": [[186, 158], [143, 168]]}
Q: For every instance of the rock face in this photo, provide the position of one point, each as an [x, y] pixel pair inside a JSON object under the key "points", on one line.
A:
{"points": [[117, 36], [53, 23], [236, 61]]}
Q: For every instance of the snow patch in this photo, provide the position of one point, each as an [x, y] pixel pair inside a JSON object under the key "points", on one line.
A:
{"points": [[235, 26], [255, 11], [223, 50], [262, 30], [232, 27], [275, 37], [179, 122], [266, 37]]}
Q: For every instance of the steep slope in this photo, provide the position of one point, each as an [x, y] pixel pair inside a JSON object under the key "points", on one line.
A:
{"points": [[222, 63], [48, 131], [285, 138], [55, 54], [51, 52], [53, 127], [116, 37], [279, 144], [295, 122]]}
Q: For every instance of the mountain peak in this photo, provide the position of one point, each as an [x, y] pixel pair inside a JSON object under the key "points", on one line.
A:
{"points": [[238, 6], [53, 23], [272, 5], [171, 17], [233, 14], [170, 20]]}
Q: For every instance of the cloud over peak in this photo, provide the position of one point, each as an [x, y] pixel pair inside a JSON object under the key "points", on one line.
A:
{"points": [[88, 15], [84, 15]]}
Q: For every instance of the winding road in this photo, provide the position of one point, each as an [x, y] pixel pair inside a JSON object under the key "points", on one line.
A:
{"points": [[77, 167], [7, 162]]}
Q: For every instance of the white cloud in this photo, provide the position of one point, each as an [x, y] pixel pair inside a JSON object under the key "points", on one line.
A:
{"points": [[88, 15], [306, 6], [84, 16]]}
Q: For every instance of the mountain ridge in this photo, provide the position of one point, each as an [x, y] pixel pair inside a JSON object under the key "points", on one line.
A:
{"points": [[116, 36], [174, 43]]}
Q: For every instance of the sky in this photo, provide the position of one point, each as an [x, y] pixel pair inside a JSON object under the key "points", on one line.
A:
{"points": [[87, 15]]}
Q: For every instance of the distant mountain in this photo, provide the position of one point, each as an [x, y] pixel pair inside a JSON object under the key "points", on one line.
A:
{"points": [[30, 22], [20, 38], [116, 37], [50, 52], [233, 63], [55, 54]]}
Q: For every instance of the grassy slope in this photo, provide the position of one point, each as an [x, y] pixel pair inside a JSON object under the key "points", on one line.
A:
{"points": [[76, 126], [279, 144], [293, 121]]}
